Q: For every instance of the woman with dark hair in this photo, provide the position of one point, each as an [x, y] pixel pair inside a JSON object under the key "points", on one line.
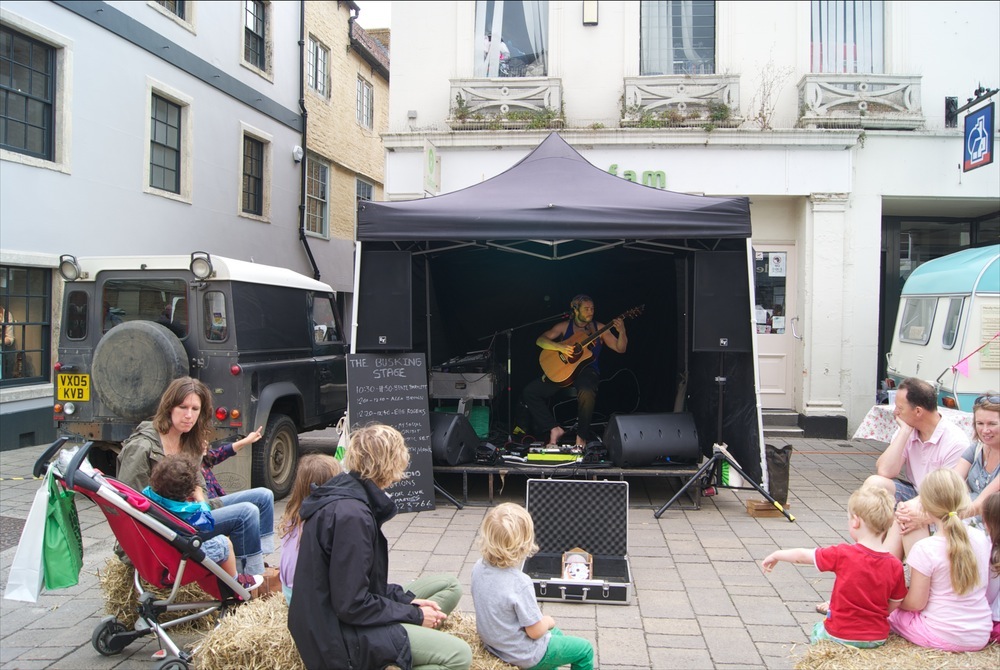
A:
{"points": [[182, 425]]}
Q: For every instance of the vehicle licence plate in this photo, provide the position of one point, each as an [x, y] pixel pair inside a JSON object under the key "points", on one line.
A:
{"points": [[75, 387]]}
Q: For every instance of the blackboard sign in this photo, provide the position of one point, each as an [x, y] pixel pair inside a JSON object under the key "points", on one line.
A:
{"points": [[392, 389]]}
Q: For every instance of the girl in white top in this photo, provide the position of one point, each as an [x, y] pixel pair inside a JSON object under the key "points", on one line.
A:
{"points": [[946, 607]]}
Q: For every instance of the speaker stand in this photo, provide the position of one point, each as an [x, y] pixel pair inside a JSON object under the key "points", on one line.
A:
{"points": [[448, 496], [713, 466]]}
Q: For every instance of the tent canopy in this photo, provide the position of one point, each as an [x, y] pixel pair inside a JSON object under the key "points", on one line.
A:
{"points": [[554, 205], [555, 194]]}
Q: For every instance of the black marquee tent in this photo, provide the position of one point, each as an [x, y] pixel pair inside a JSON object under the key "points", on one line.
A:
{"points": [[495, 264]]}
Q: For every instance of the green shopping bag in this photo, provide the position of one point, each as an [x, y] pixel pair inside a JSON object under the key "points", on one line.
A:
{"points": [[62, 550]]}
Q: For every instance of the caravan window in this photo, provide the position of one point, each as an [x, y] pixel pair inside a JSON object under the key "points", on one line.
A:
{"points": [[918, 317], [951, 323]]}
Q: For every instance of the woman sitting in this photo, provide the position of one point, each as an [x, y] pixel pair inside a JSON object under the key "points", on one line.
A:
{"points": [[344, 613], [182, 425], [979, 467]]}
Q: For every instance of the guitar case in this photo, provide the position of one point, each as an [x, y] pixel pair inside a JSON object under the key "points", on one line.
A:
{"points": [[590, 515]]}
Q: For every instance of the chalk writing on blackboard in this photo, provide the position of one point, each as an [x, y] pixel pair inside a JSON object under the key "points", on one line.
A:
{"points": [[393, 390]]}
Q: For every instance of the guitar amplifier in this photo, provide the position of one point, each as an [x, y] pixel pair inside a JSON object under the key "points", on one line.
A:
{"points": [[463, 385]]}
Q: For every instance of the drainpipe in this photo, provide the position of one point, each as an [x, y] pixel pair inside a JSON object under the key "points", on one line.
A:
{"points": [[305, 125]]}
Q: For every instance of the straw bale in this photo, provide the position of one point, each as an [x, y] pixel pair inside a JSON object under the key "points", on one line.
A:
{"points": [[254, 636], [896, 653], [121, 600], [463, 625]]}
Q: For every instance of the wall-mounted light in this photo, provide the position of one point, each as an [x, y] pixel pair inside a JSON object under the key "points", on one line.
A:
{"points": [[297, 154], [590, 12]]}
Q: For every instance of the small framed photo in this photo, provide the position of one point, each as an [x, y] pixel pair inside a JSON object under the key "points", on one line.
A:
{"points": [[578, 565]]}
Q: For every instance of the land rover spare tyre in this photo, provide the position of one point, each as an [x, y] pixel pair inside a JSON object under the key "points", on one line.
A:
{"points": [[133, 365]]}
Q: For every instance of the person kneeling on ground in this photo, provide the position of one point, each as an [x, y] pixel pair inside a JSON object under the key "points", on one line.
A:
{"points": [[344, 613], [869, 580]]}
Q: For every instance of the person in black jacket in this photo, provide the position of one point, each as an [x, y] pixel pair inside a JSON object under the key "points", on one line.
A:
{"points": [[343, 612]]}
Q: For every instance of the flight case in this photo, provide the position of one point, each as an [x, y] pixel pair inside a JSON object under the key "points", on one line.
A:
{"points": [[590, 515]]}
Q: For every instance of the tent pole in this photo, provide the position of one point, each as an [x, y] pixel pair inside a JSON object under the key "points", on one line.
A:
{"points": [[427, 306]]}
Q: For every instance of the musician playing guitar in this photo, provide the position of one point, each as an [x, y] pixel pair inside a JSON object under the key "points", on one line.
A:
{"points": [[580, 363]]}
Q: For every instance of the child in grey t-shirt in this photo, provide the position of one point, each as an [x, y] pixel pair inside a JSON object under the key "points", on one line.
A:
{"points": [[508, 618]]}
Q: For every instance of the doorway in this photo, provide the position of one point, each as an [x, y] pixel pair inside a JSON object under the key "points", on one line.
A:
{"points": [[774, 310]]}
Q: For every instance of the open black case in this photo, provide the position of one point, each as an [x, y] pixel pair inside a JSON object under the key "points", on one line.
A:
{"points": [[592, 515]]}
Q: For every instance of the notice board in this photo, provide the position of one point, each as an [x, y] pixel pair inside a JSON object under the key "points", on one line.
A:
{"points": [[392, 389]]}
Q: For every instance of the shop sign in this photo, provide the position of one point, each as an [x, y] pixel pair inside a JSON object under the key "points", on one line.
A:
{"points": [[654, 178], [979, 138]]}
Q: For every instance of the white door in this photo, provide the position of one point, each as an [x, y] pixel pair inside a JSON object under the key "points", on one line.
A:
{"points": [[774, 306]]}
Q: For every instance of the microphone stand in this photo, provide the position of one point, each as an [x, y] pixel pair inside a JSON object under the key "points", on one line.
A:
{"points": [[510, 332]]}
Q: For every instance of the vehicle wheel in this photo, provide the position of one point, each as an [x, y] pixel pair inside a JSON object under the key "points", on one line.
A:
{"points": [[103, 637], [276, 456], [133, 365], [171, 663]]}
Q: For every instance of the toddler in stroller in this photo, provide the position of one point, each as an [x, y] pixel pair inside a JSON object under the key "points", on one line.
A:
{"points": [[166, 552]]}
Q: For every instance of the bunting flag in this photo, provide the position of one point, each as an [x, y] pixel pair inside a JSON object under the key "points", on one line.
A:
{"points": [[962, 368]]}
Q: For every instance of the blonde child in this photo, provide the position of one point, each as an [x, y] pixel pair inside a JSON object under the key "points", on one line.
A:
{"points": [[869, 580], [991, 519], [314, 470], [946, 606], [508, 618]]}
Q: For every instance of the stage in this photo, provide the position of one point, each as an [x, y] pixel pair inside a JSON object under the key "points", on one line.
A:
{"points": [[569, 471]]}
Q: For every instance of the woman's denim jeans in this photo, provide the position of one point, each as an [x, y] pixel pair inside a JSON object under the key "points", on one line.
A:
{"points": [[247, 517]]}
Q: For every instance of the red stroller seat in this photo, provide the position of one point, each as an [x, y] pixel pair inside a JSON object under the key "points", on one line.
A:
{"points": [[165, 551]]}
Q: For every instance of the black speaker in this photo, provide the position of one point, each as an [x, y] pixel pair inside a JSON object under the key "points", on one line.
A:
{"points": [[385, 302], [722, 314], [453, 439], [642, 439]]}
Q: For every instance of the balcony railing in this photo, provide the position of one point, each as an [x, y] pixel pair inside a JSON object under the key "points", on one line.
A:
{"points": [[681, 100], [885, 101], [514, 102]]}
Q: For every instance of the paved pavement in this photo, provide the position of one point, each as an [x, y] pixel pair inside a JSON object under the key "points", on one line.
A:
{"points": [[700, 600]]}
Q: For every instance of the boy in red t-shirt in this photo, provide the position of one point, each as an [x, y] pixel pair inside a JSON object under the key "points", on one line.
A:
{"points": [[869, 582]]}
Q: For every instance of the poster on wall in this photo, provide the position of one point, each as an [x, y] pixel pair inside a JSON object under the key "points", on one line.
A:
{"points": [[776, 264]]}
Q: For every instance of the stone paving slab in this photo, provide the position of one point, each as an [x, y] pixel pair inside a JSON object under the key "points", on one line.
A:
{"points": [[700, 599]]}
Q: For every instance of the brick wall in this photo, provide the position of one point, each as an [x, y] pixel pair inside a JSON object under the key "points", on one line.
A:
{"points": [[334, 133]]}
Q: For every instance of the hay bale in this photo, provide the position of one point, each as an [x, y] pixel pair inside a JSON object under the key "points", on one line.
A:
{"points": [[254, 636], [121, 600], [463, 625], [896, 653]]}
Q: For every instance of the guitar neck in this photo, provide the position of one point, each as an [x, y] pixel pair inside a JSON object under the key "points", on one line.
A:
{"points": [[586, 342]]}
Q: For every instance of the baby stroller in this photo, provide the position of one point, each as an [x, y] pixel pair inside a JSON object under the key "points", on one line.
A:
{"points": [[165, 551]]}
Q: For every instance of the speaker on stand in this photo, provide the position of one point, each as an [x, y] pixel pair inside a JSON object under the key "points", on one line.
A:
{"points": [[636, 440]]}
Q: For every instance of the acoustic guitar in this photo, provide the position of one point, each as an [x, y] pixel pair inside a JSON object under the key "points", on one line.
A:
{"points": [[560, 368]]}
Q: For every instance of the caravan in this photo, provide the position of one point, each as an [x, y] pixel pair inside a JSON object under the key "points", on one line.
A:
{"points": [[948, 326]]}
